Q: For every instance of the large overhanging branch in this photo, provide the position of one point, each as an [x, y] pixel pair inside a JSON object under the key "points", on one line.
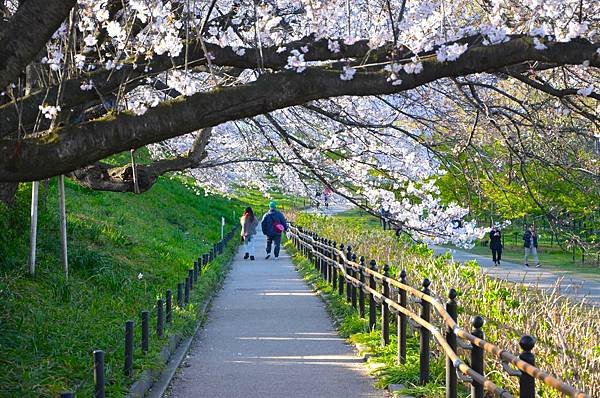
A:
{"points": [[103, 177], [70, 147], [132, 74], [26, 33]]}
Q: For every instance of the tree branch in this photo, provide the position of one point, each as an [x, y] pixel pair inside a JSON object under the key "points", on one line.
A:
{"points": [[70, 147], [27, 32], [102, 177]]}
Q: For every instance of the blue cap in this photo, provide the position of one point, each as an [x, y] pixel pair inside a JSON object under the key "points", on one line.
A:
{"points": [[272, 204]]}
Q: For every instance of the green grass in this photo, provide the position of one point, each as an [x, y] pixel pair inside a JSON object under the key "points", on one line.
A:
{"points": [[49, 326]]}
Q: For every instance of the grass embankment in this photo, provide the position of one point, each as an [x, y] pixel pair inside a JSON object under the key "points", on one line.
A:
{"points": [[49, 326], [567, 333]]}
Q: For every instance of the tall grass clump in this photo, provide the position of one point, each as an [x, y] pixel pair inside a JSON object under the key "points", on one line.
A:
{"points": [[567, 331]]}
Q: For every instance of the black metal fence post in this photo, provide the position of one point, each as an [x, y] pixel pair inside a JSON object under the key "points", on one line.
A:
{"points": [[128, 367], [527, 382], [160, 320], [334, 272], [349, 273], [477, 357], [341, 278], [372, 305], [191, 278], [425, 337], [145, 332], [195, 271], [385, 311], [354, 288], [361, 293], [402, 321], [451, 378], [67, 394], [180, 294], [169, 306], [186, 294], [99, 374]]}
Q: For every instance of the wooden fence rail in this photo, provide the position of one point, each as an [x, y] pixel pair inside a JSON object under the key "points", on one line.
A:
{"points": [[339, 266]]}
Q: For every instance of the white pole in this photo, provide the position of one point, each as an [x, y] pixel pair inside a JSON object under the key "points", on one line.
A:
{"points": [[63, 224], [222, 226], [33, 232]]}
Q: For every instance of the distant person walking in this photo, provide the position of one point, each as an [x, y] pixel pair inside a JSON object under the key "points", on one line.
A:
{"points": [[530, 242], [273, 225], [249, 224], [496, 245]]}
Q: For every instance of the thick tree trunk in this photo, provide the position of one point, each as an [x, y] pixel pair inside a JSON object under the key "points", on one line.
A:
{"points": [[7, 192]]}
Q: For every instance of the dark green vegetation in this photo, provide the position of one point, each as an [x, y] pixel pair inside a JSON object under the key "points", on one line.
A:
{"points": [[49, 326], [566, 332]]}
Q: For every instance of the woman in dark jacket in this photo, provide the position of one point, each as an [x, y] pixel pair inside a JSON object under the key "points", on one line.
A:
{"points": [[496, 245]]}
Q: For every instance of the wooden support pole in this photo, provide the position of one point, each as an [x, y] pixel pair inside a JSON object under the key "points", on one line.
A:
{"points": [[63, 224], [33, 231]]}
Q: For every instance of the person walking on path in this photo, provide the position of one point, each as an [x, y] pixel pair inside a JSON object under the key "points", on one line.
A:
{"points": [[530, 242], [249, 224], [496, 244], [273, 225]]}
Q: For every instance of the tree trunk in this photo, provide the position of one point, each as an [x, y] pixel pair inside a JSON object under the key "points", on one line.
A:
{"points": [[7, 192]]}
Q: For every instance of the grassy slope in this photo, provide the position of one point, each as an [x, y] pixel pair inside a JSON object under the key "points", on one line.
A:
{"points": [[49, 327]]}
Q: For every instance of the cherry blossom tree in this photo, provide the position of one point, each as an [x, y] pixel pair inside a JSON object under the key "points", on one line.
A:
{"points": [[373, 99]]}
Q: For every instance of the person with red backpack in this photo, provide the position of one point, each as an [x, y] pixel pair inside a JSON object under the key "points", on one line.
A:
{"points": [[273, 225]]}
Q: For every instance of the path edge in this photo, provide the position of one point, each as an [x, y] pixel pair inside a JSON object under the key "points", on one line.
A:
{"points": [[154, 383]]}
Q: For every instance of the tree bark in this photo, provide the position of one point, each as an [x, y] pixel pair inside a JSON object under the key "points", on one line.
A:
{"points": [[71, 147], [103, 177], [8, 191], [27, 32]]}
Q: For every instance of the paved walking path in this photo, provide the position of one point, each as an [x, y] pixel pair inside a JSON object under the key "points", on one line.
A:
{"points": [[269, 335], [576, 287]]}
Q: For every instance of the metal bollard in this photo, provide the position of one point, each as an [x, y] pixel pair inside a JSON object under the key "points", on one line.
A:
{"points": [[99, 374], [527, 382], [180, 294], [451, 378], [128, 367], [425, 336], [385, 310], [477, 357], [361, 293], [160, 320], [186, 295], [169, 305], [372, 304], [402, 321], [145, 332]]}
